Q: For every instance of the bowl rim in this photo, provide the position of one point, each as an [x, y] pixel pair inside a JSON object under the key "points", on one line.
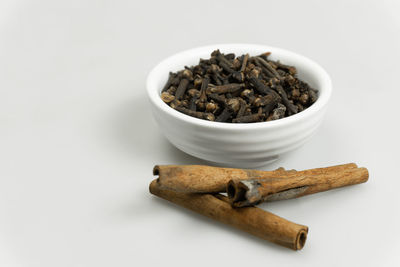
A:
{"points": [[154, 92]]}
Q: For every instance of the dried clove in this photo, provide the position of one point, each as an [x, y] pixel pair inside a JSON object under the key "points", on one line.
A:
{"points": [[197, 114], [249, 118], [277, 113], [242, 108], [226, 88], [180, 91], [292, 108], [211, 107], [193, 103], [269, 67], [169, 82], [167, 97], [224, 116]]}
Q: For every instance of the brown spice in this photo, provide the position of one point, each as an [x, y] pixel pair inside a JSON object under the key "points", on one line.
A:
{"points": [[253, 191], [208, 179], [251, 79], [255, 221]]}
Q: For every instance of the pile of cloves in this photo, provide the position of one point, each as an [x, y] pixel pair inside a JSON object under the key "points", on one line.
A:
{"points": [[240, 89]]}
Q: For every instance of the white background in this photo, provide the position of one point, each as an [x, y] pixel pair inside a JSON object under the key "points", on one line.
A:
{"points": [[78, 143]]}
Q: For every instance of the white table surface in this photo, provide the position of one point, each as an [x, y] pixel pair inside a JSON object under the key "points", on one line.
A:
{"points": [[78, 143]]}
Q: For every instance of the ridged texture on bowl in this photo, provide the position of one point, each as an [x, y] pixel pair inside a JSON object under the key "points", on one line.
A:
{"points": [[240, 145]]}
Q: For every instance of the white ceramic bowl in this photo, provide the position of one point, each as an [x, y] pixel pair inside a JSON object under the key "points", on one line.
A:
{"points": [[240, 145]]}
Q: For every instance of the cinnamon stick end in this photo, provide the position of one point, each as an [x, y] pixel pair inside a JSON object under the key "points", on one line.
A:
{"points": [[156, 170], [301, 239], [365, 174], [236, 193], [242, 193], [152, 186]]}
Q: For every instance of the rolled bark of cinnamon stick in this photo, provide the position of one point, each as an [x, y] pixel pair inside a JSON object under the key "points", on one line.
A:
{"points": [[249, 192], [253, 220], [207, 179]]}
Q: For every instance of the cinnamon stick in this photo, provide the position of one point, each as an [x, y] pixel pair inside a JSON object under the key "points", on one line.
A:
{"points": [[253, 220], [243, 193], [207, 179]]}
